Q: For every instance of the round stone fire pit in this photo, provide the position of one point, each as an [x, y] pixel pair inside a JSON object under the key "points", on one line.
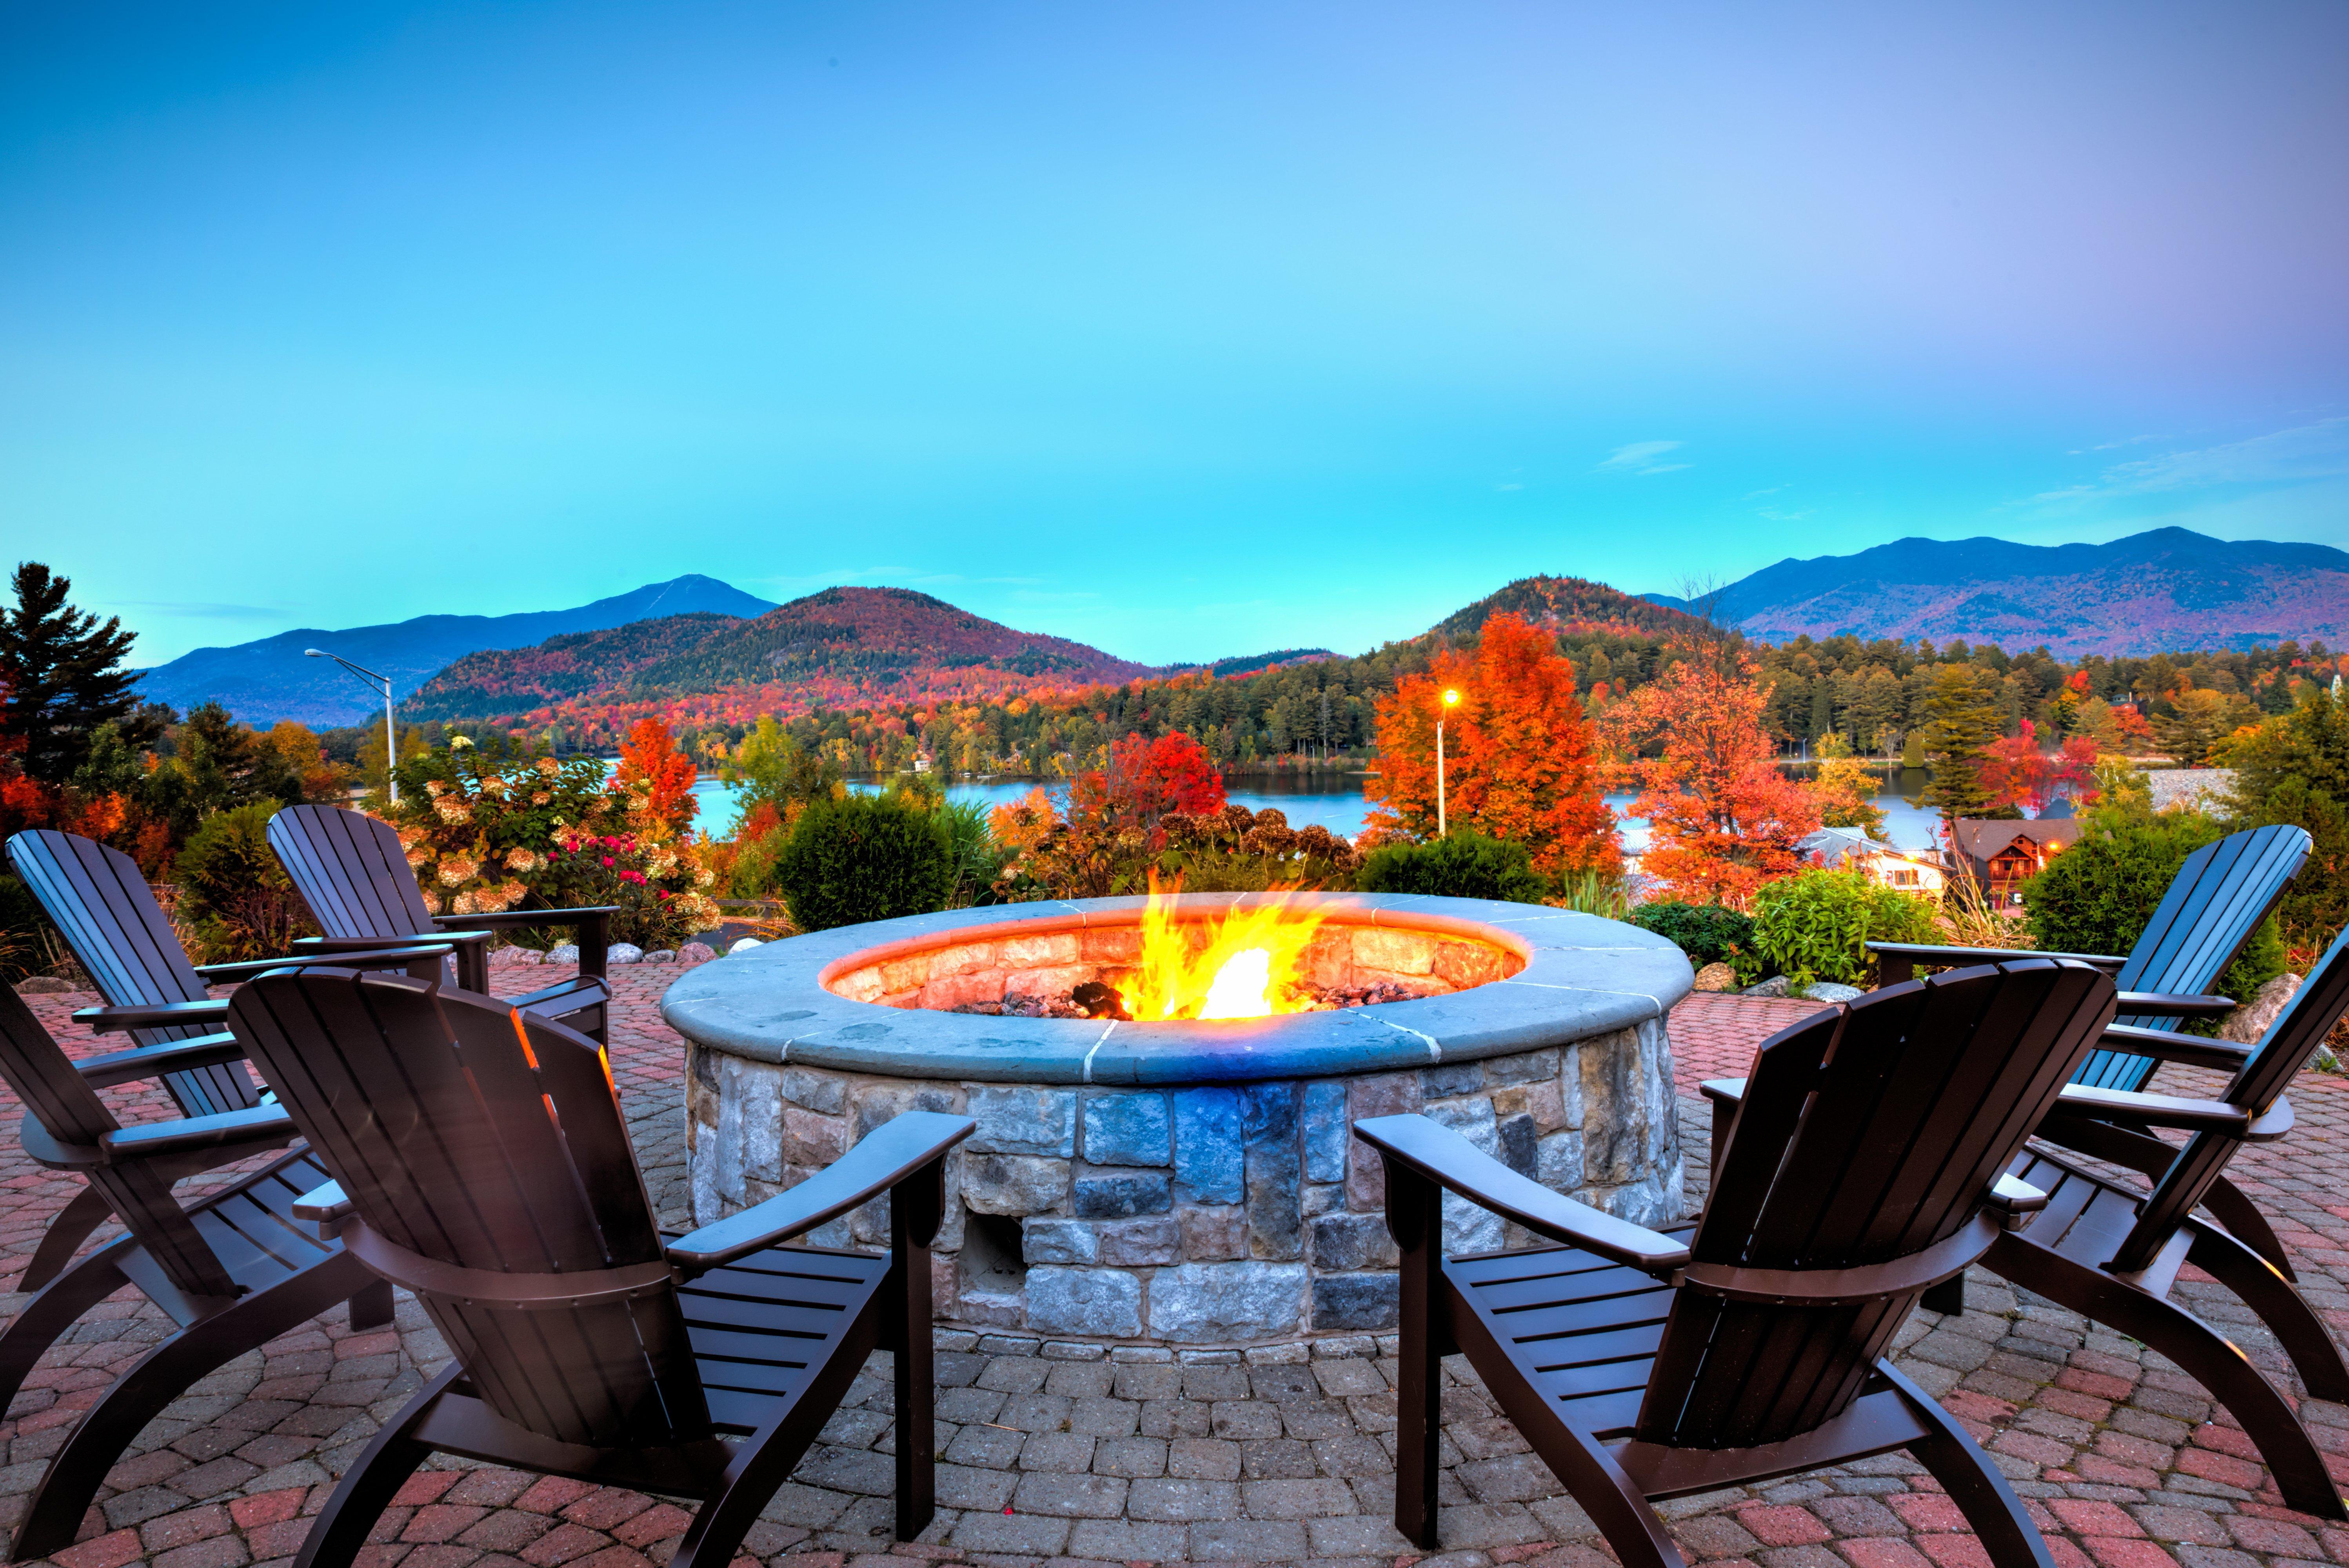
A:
{"points": [[1191, 1181]]}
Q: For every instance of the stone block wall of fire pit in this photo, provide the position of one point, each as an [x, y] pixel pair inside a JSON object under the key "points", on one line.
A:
{"points": [[1192, 1184]]}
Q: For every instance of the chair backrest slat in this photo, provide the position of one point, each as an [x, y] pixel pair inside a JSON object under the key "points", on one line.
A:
{"points": [[352, 872], [37, 1069], [2211, 909], [485, 1139], [2319, 1003], [1868, 1134], [108, 914]]}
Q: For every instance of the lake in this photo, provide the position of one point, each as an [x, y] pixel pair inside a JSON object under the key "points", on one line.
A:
{"points": [[1907, 824]]}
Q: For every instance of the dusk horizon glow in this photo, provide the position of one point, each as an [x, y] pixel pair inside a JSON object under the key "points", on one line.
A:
{"points": [[1186, 335]]}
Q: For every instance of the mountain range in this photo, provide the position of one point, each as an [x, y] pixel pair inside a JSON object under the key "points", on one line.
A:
{"points": [[878, 644], [2167, 589], [269, 679]]}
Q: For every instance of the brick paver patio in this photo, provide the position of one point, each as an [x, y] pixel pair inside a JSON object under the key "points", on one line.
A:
{"points": [[1074, 1452]]}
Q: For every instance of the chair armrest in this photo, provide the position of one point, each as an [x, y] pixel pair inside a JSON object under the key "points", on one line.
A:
{"points": [[1930, 952], [1443, 1157], [150, 1138], [308, 945], [1730, 1092], [890, 1152], [2132, 1108], [372, 958], [514, 917], [2010, 1199], [2163, 1005], [152, 1016], [2169, 1046], [150, 1061], [326, 1206]]}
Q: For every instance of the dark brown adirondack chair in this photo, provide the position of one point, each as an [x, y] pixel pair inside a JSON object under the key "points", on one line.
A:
{"points": [[2111, 1249], [483, 1164], [109, 916], [233, 1271], [353, 873], [1865, 1165]]}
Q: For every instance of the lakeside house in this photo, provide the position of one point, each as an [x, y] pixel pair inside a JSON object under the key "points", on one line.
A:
{"points": [[2001, 855], [1849, 849]]}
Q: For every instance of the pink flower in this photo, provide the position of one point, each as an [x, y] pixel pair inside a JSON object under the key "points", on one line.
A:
{"points": [[607, 860]]}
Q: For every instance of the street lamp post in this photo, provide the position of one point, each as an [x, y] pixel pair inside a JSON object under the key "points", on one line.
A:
{"points": [[1451, 701], [391, 735]]}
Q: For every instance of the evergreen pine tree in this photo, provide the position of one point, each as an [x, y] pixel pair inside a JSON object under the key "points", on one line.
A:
{"points": [[1959, 725], [65, 677]]}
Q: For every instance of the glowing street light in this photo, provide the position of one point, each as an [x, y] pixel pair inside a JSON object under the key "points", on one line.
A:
{"points": [[390, 740], [1451, 701]]}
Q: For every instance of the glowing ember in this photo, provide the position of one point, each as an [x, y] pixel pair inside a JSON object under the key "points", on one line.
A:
{"points": [[1249, 966]]}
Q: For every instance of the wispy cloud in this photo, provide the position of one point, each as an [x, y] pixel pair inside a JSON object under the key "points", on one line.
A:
{"points": [[1757, 495], [1778, 515], [1640, 458], [1505, 488], [2312, 451]]}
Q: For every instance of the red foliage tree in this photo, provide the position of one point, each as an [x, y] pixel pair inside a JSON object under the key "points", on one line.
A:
{"points": [[1723, 820], [661, 775], [2017, 773], [1143, 781], [1518, 757]]}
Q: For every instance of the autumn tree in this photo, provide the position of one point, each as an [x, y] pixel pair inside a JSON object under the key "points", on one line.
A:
{"points": [[1845, 789], [2015, 773], [659, 776], [1140, 782], [1517, 754], [1722, 819], [1959, 725]]}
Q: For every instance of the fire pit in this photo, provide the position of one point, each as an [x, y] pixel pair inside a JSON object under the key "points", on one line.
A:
{"points": [[1185, 1174]]}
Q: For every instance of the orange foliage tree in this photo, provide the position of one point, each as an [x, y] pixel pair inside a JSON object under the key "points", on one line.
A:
{"points": [[659, 777], [2017, 773], [1723, 820], [1518, 757]]}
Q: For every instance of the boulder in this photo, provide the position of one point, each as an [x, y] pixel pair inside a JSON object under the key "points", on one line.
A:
{"points": [[1776, 985], [43, 986], [744, 945], [1829, 991], [2247, 1023], [1716, 977], [663, 955], [567, 954], [623, 953], [696, 953]]}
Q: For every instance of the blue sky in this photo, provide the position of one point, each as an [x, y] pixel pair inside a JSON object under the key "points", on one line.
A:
{"points": [[1185, 331]]}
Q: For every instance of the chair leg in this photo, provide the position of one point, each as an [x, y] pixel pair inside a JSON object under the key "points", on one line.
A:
{"points": [[2268, 1292], [915, 1398], [368, 1487], [1973, 1484], [55, 1512], [57, 1308], [2205, 1354], [88, 1210], [1948, 1298], [2242, 1218], [372, 1306]]}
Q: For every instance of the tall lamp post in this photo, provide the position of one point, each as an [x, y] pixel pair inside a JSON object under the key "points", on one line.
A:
{"points": [[391, 735], [1451, 701]]}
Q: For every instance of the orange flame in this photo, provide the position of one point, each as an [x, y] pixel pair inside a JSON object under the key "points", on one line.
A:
{"points": [[1251, 965]]}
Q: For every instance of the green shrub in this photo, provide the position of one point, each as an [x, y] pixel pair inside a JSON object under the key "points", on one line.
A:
{"points": [[865, 858], [1465, 865], [1707, 933], [2096, 896], [978, 860], [234, 895], [1813, 925]]}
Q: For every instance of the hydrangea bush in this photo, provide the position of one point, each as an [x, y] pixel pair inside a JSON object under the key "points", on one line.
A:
{"points": [[487, 831]]}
